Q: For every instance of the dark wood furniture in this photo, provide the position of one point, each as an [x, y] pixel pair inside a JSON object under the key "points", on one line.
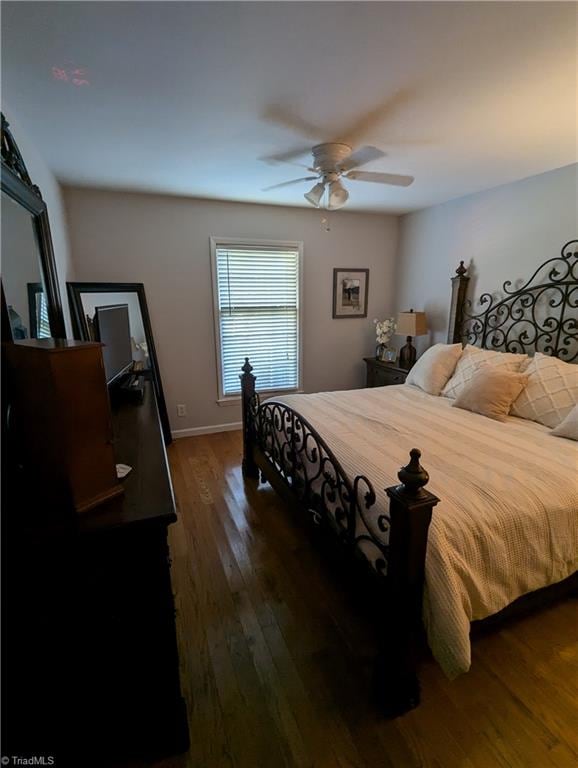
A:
{"points": [[81, 330], [281, 447], [91, 662], [90, 665], [381, 374], [60, 417]]}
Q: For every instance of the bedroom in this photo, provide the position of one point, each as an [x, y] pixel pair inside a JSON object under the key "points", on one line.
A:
{"points": [[161, 136]]}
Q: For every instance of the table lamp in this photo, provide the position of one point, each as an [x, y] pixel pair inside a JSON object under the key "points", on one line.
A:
{"points": [[410, 324]]}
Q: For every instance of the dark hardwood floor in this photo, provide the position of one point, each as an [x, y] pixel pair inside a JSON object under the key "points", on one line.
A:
{"points": [[276, 659]]}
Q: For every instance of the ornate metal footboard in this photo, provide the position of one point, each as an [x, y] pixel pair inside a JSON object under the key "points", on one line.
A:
{"points": [[285, 449]]}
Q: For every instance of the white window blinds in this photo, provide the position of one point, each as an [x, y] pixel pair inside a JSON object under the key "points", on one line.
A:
{"points": [[257, 292], [43, 330]]}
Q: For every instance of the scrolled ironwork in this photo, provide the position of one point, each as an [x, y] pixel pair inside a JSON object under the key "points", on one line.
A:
{"points": [[540, 315], [307, 466]]}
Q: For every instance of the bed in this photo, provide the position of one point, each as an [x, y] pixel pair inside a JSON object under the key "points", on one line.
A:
{"points": [[499, 519]]}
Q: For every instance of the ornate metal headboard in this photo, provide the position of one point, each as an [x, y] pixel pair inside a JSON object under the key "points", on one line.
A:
{"points": [[540, 315]]}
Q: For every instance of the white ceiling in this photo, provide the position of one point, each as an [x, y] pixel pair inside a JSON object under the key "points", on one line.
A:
{"points": [[182, 97]]}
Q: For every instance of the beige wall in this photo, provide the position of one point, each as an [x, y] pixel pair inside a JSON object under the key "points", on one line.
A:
{"points": [[163, 242], [43, 177], [505, 233]]}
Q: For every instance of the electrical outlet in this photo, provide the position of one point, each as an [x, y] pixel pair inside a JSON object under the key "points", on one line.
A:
{"points": [[181, 410]]}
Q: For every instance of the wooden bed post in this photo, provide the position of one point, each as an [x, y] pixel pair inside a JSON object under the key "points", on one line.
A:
{"points": [[459, 289], [250, 468], [410, 512]]}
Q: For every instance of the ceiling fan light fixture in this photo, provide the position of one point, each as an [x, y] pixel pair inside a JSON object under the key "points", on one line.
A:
{"points": [[315, 194], [337, 195]]}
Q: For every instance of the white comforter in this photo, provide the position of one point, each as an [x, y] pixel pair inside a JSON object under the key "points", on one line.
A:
{"points": [[507, 522]]}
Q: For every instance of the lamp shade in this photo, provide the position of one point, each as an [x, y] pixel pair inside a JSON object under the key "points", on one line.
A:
{"points": [[338, 195], [411, 323], [315, 194]]}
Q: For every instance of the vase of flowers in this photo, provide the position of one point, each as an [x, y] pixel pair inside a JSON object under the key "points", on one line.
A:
{"points": [[384, 330]]}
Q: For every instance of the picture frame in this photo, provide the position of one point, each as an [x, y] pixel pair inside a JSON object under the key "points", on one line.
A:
{"points": [[350, 292], [389, 355]]}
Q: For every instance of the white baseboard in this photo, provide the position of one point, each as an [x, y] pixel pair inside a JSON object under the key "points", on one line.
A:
{"points": [[209, 430]]}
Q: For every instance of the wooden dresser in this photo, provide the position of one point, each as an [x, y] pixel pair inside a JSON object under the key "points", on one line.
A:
{"points": [[90, 657], [381, 374]]}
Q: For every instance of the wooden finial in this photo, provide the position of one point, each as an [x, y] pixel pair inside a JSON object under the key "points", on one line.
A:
{"points": [[248, 380], [413, 477], [461, 270]]}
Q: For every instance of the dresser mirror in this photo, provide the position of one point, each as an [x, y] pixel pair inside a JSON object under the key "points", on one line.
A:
{"points": [[88, 299], [31, 306]]}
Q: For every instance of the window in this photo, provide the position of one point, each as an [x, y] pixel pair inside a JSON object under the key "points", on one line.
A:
{"points": [[256, 295], [43, 331]]}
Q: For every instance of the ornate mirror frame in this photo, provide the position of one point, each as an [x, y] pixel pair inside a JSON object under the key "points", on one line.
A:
{"points": [[17, 184]]}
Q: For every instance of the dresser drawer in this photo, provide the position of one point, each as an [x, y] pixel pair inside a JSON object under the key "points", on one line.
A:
{"points": [[380, 374], [383, 378]]}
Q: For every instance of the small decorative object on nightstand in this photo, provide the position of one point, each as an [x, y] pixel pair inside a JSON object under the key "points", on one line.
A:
{"points": [[384, 330], [381, 374], [410, 324]]}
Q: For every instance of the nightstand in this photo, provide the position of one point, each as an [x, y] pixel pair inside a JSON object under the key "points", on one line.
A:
{"points": [[381, 374]]}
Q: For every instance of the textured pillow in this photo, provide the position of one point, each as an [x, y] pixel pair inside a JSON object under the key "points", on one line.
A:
{"points": [[551, 391], [491, 392], [471, 359], [569, 427], [434, 367]]}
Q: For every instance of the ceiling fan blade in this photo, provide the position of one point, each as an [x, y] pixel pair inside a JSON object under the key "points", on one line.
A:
{"points": [[363, 126], [361, 157], [287, 157], [287, 118], [289, 183], [381, 178]]}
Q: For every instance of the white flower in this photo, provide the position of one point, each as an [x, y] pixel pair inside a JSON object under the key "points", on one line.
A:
{"points": [[384, 329]]}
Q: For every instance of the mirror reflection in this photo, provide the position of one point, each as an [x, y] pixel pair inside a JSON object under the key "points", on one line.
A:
{"points": [[116, 314], [93, 304], [21, 274]]}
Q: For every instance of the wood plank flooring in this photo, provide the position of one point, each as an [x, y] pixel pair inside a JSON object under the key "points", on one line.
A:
{"points": [[276, 657]]}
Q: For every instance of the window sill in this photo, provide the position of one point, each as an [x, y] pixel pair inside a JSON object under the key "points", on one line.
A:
{"points": [[236, 399]]}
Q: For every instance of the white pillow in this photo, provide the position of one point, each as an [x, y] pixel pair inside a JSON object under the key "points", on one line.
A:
{"points": [[569, 427], [551, 391], [472, 358], [434, 367]]}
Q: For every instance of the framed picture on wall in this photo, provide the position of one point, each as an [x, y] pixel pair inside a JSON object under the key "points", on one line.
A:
{"points": [[350, 288]]}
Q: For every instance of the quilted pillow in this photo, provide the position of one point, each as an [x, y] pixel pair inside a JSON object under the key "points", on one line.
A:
{"points": [[473, 358], [551, 391], [434, 367], [569, 427]]}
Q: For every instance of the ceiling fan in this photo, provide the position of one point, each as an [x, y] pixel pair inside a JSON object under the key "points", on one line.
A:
{"points": [[335, 161], [332, 163]]}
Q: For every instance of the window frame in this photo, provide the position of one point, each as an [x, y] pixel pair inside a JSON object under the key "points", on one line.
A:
{"points": [[216, 242]]}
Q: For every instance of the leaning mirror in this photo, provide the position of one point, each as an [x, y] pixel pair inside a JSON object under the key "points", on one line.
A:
{"points": [[117, 315], [21, 276], [31, 306]]}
